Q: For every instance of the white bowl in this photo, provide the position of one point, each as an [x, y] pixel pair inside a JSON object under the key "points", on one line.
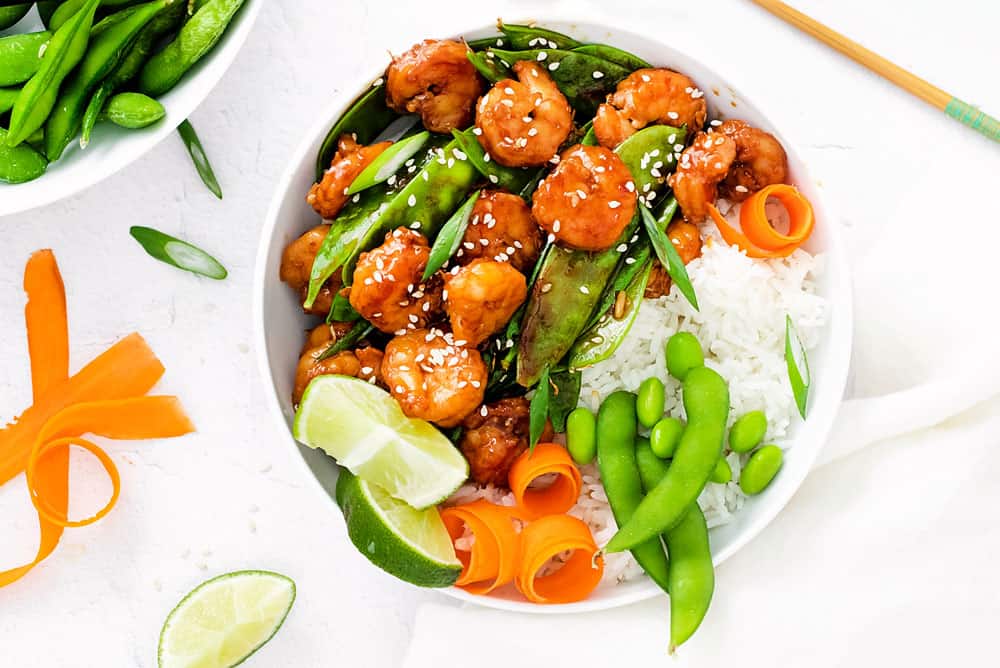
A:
{"points": [[280, 324], [113, 148]]}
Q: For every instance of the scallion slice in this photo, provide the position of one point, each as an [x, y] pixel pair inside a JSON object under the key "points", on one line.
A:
{"points": [[450, 237], [388, 162], [178, 253], [668, 256], [197, 152], [798, 366]]}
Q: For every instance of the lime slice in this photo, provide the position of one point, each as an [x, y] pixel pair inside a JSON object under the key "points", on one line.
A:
{"points": [[364, 429], [411, 544], [225, 620]]}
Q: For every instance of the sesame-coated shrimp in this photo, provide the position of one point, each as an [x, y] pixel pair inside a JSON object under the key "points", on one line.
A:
{"points": [[496, 435], [702, 166], [364, 363], [646, 97], [329, 195], [436, 80], [523, 123], [760, 161], [296, 266], [433, 378], [501, 228], [388, 290], [686, 239], [588, 199], [481, 297]]}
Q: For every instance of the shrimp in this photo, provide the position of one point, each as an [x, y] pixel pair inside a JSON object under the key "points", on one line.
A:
{"points": [[645, 97], [296, 267], [436, 80], [523, 123], [388, 290], [760, 161], [329, 195], [703, 165], [496, 435], [501, 228], [363, 363], [326, 333], [433, 378], [686, 238], [481, 297], [588, 199]]}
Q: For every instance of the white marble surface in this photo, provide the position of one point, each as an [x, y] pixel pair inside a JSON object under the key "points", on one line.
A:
{"points": [[228, 498]]}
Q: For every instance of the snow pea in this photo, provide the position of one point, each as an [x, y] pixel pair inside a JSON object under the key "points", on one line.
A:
{"points": [[7, 97], [133, 110], [486, 42], [760, 469], [11, 15], [423, 203], [514, 179], [616, 459], [574, 73], [706, 402], [21, 56], [65, 50], [200, 33], [365, 118], [614, 55], [531, 37], [565, 396], [488, 65], [19, 164], [601, 340], [571, 283], [106, 50]]}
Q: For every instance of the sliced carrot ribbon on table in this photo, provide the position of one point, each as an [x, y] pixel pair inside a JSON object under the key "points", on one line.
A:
{"points": [[493, 558], [554, 499], [45, 316], [545, 539], [758, 237]]}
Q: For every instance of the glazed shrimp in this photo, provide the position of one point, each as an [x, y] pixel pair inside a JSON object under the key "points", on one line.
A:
{"points": [[363, 363], [296, 266], [523, 123], [388, 290], [587, 200], [436, 80], [760, 160], [433, 378], [501, 228], [494, 436], [481, 297], [686, 239], [647, 97], [329, 195], [703, 165]]}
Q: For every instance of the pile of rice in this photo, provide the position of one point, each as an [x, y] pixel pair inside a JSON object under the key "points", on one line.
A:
{"points": [[741, 326]]}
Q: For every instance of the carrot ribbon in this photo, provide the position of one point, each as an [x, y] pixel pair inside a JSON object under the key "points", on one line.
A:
{"points": [[560, 496], [547, 538], [493, 557], [758, 238]]}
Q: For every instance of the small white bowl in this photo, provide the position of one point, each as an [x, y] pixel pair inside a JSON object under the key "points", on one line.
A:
{"points": [[112, 148], [280, 325]]}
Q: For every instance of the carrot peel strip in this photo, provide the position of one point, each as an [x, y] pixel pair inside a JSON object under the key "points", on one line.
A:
{"points": [[45, 510], [492, 560], [45, 317], [758, 237], [579, 575], [555, 499]]}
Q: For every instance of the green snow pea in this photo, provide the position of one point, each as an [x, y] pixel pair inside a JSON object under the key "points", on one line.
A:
{"points": [[532, 37], [683, 354], [489, 65], [573, 72], [748, 431], [487, 42], [706, 401], [423, 203], [106, 50], [19, 164], [21, 56], [651, 402], [760, 469], [11, 15], [366, 118], [514, 179], [65, 50], [199, 34], [665, 436], [7, 97], [133, 110], [616, 459], [581, 435], [614, 55]]}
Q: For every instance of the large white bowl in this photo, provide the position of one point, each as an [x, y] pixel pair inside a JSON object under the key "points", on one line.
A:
{"points": [[112, 148], [280, 324]]}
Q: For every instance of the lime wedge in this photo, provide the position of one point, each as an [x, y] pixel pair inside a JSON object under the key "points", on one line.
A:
{"points": [[364, 429], [225, 620], [411, 544]]}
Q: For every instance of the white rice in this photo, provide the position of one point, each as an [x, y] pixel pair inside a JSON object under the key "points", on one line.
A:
{"points": [[741, 325]]}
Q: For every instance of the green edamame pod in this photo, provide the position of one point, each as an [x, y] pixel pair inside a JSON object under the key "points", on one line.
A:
{"points": [[66, 9], [134, 110], [614, 55], [7, 97], [748, 431], [651, 468], [21, 56], [649, 406], [581, 435], [19, 164], [11, 15], [64, 51], [683, 354], [665, 436], [106, 50], [706, 401], [531, 37], [760, 469], [199, 34], [366, 118], [616, 436]]}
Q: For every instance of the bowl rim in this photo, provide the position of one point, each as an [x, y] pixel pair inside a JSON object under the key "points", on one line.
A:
{"points": [[207, 77], [836, 249]]}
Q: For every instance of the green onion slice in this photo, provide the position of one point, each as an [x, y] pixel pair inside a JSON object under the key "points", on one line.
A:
{"points": [[197, 152], [538, 411], [341, 310], [388, 162], [450, 237], [668, 256], [798, 366], [177, 253], [361, 329]]}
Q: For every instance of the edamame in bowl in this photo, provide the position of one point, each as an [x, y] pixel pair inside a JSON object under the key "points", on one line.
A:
{"points": [[88, 86], [556, 316]]}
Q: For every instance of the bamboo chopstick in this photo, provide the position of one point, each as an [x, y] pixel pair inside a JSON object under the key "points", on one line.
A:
{"points": [[961, 111]]}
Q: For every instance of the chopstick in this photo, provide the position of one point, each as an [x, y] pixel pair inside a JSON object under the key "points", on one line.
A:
{"points": [[952, 106]]}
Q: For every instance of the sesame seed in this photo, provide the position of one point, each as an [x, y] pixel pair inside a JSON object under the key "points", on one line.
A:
{"points": [[553, 66], [584, 289], [715, 124], [483, 411], [532, 132], [356, 197], [484, 242], [412, 200], [553, 45], [551, 238], [630, 260], [508, 90], [486, 157], [614, 204], [477, 131], [377, 83], [459, 155], [415, 225], [499, 41], [413, 318], [368, 281], [461, 384], [546, 287], [400, 389], [741, 189], [468, 245], [542, 56], [718, 165], [630, 186], [347, 189], [556, 225], [645, 78], [476, 384], [622, 248], [598, 74], [425, 176]]}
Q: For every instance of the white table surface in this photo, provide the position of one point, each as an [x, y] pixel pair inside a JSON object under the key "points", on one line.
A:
{"points": [[229, 497]]}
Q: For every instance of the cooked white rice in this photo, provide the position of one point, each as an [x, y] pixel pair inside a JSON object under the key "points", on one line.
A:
{"points": [[741, 325]]}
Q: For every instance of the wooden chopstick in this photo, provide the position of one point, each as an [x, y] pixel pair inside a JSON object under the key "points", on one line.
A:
{"points": [[955, 108]]}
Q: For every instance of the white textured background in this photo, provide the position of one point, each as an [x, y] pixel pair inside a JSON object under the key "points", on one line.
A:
{"points": [[228, 498]]}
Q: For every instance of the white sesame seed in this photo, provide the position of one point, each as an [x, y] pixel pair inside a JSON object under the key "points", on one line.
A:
{"points": [[645, 78], [630, 260], [493, 178], [553, 66], [477, 131], [598, 74], [459, 155], [483, 411], [630, 186], [412, 200], [476, 384], [614, 204], [556, 225], [425, 176], [400, 389], [715, 124], [622, 248], [584, 289], [546, 287], [741, 189], [542, 56], [486, 157], [415, 225], [508, 90]]}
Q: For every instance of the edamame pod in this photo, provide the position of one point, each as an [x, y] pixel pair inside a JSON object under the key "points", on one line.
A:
{"points": [[65, 10], [7, 97], [19, 164], [366, 118], [199, 34], [760, 469], [11, 15], [21, 56], [706, 402], [616, 459], [134, 110]]}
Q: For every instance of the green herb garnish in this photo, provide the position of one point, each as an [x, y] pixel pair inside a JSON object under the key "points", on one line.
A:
{"points": [[361, 329], [197, 152], [341, 310], [178, 253], [450, 237], [388, 162], [668, 256], [798, 366], [538, 411]]}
